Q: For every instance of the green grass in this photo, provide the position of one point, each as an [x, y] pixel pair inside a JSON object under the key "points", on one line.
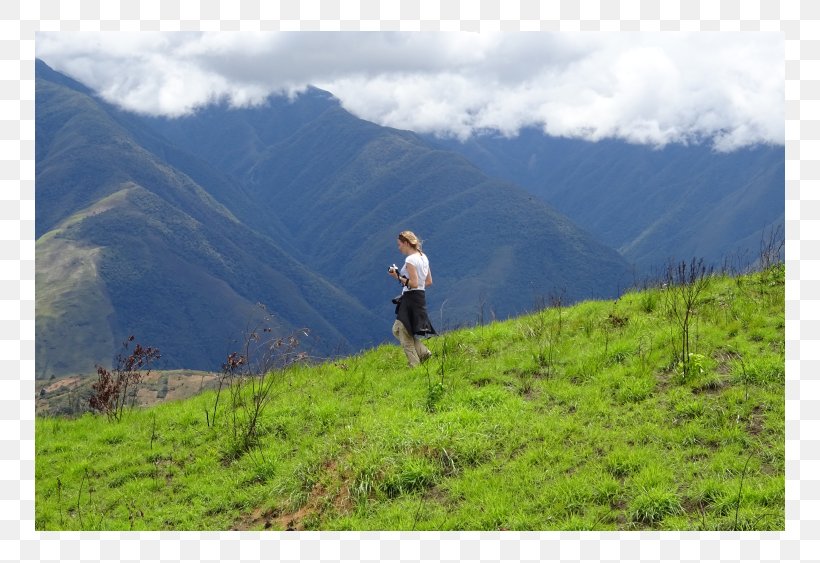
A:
{"points": [[577, 419]]}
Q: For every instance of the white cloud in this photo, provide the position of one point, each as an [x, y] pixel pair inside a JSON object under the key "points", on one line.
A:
{"points": [[653, 88]]}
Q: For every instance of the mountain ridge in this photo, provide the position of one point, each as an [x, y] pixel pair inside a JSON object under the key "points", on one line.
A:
{"points": [[354, 149], [651, 204], [293, 205], [136, 263]]}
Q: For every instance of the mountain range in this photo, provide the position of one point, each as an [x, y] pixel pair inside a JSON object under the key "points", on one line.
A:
{"points": [[653, 205], [180, 231]]}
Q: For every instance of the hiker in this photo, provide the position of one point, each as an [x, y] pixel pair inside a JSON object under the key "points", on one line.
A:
{"points": [[411, 306]]}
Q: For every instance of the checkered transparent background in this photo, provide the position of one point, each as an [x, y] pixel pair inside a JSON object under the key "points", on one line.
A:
{"points": [[799, 21]]}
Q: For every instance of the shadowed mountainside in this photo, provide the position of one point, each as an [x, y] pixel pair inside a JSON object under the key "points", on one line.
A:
{"points": [[652, 205], [175, 229]]}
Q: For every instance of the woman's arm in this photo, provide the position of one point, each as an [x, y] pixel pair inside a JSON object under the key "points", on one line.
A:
{"points": [[413, 282]]}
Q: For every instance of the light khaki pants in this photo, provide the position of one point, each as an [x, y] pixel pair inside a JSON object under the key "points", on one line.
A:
{"points": [[414, 349]]}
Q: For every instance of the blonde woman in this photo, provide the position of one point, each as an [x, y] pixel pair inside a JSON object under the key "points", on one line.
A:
{"points": [[412, 320]]}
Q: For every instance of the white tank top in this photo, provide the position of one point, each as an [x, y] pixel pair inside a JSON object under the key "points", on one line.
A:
{"points": [[422, 266]]}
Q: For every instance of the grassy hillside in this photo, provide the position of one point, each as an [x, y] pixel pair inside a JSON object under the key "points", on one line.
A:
{"points": [[570, 418]]}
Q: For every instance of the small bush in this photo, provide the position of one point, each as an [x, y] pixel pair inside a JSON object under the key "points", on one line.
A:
{"points": [[622, 463], [760, 371], [411, 475], [652, 505], [111, 390], [649, 301], [635, 390], [605, 489], [693, 408]]}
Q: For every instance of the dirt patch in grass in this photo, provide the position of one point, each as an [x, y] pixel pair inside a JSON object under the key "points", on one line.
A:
{"points": [[259, 518], [274, 518], [320, 498], [754, 425], [67, 382], [481, 382]]}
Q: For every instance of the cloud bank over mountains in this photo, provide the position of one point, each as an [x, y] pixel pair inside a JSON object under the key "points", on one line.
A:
{"points": [[725, 89]]}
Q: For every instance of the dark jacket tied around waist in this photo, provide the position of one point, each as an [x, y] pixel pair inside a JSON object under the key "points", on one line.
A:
{"points": [[412, 312]]}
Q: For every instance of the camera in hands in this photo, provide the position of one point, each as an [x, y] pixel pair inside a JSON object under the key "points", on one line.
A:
{"points": [[393, 269]]}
